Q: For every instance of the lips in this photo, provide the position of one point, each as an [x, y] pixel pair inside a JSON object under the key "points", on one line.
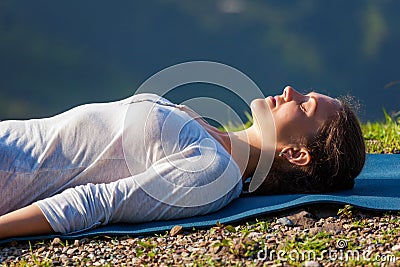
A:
{"points": [[273, 100]]}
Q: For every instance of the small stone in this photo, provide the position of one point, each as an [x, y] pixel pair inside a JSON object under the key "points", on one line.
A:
{"points": [[254, 235], [84, 240], [214, 248], [175, 230], [332, 228], [271, 239], [302, 218], [135, 261], [160, 240], [366, 230], [56, 241], [64, 258], [285, 221], [315, 230], [396, 248], [14, 252], [41, 249], [77, 243], [71, 251], [312, 264]]}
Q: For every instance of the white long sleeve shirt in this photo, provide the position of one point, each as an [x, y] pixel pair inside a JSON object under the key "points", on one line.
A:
{"points": [[135, 160]]}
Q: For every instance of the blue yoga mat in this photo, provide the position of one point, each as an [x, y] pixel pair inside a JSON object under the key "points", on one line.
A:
{"points": [[377, 188]]}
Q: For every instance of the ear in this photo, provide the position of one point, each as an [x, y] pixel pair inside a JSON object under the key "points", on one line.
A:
{"points": [[296, 155]]}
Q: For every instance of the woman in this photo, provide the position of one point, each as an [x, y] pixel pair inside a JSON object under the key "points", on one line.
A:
{"points": [[74, 170]]}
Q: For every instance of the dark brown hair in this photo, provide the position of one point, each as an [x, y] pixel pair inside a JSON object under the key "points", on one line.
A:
{"points": [[337, 158]]}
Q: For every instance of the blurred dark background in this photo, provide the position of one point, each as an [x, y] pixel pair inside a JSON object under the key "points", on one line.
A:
{"points": [[58, 54]]}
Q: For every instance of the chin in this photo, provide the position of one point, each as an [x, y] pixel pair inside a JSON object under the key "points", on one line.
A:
{"points": [[258, 104], [260, 107]]}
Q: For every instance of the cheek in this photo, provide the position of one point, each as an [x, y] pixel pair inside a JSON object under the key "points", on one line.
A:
{"points": [[282, 126], [288, 123], [286, 117]]}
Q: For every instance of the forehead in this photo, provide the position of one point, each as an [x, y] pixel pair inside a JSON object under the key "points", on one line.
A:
{"points": [[325, 100]]}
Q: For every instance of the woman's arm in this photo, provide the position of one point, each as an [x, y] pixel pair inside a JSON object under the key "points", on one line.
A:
{"points": [[182, 184], [26, 221]]}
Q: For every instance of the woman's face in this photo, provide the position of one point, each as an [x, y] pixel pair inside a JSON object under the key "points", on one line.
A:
{"points": [[296, 115]]}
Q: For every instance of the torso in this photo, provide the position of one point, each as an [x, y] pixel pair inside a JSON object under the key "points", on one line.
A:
{"points": [[86, 145]]}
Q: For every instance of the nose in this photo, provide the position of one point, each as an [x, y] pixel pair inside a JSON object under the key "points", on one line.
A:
{"points": [[290, 94]]}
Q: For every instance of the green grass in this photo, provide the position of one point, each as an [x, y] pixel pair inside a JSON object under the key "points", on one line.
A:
{"points": [[383, 137]]}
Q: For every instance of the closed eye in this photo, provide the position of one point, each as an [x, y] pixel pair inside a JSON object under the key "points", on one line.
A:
{"points": [[303, 107], [309, 107]]}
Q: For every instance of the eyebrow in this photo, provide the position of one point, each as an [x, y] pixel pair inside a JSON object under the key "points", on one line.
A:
{"points": [[316, 102], [315, 99]]}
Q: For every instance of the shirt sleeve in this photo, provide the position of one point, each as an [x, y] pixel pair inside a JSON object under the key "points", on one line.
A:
{"points": [[195, 181]]}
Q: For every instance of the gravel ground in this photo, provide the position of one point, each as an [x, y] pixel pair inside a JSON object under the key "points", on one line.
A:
{"points": [[312, 236]]}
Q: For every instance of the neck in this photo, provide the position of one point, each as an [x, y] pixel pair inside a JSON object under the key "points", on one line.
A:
{"points": [[245, 148]]}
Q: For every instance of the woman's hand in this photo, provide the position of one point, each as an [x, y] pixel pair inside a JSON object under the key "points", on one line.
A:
{"points": [[26, 221]]}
